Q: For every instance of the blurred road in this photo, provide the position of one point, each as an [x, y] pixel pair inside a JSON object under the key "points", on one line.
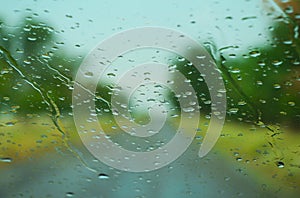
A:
{"points": [[63, 175]]}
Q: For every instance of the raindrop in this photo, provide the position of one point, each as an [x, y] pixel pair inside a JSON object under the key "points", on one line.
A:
{"points": [[201, 56], [47, 55], [261, 63], [216, 113], [259, 82], [283, 113], [6, 98], [6, 159], [235, 71], [27, 62], [276, 86], [249, 17], [207, 102], [188, 93], [188, 109], [69, 16], [31, 38], [280, 164], [221, 90], [69, 194], [88, 74], [227, 178], [10, 123], [276, 62], [233, 110], [232, 55], [111, 75], [241, 103], [254, 53], [27, 28], [103, 176], [289, 9], [239, 159], [181, 59], [20, 51], [262, 101], [288, 42]]}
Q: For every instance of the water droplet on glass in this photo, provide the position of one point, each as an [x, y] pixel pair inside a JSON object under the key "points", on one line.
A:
{"points": [[69, 16], [288, 42], [31, 38], [289, 9], [88, 74], [259, 82], [27, 62], [10, 123], [276, 62], [188, 109], [201, 56], [254, 53], [6, 98], [103, 176], [232, 55], [276, 86], [181, 59], [280, 164], [20, 51], [233, 110], [69, 194], [6, 159], [241, 103], [239, 159], [235, 71], [111, 75], [227, 178]]}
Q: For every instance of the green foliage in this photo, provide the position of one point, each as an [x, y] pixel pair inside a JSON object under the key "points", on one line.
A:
{"points": [[262, 84], [34, 71]]}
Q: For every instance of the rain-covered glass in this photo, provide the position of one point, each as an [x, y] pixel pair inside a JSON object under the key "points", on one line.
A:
{"points": [[150, 98]]}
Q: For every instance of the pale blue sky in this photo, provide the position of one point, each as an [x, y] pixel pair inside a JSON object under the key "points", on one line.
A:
{"points": [[93, 21]]}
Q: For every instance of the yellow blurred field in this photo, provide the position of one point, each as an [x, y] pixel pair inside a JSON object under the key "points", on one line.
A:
{"points": [[255, 151]]}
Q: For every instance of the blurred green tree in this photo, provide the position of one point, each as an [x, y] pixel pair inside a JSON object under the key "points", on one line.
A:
{"points": [[262, 84], [35, 73]]}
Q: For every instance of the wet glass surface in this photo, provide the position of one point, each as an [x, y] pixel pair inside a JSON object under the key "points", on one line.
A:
{"points": [[255, 47]]}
